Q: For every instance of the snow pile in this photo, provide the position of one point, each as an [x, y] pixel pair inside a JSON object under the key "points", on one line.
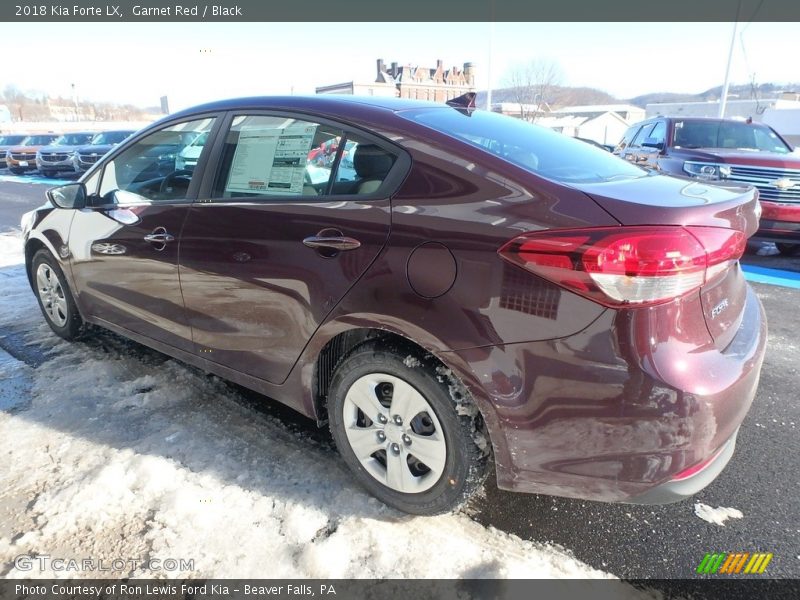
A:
{"points": [[717, 515], [124, 453], [11, 251], [15, 292]]}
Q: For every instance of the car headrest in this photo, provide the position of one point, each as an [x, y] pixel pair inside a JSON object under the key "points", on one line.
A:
{"points": [[371, 161]]}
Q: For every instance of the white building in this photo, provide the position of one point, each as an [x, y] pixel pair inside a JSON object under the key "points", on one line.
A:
{"points": [[785, 121], [632, 114], [360, 89], [734, 108], [605, 128]]}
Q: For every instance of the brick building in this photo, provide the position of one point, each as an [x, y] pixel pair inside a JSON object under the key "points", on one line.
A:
{"points": [[436, 84]]}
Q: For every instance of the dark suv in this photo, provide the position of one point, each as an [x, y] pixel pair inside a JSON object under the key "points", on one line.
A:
{"points": [[726, 150], [85, 156]]}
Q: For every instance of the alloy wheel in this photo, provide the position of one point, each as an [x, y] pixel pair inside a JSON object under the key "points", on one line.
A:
{"points": [[394, 433], [51, 293]]}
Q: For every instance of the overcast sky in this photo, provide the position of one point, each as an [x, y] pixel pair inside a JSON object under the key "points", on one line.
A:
{"points": [[197, 62]]}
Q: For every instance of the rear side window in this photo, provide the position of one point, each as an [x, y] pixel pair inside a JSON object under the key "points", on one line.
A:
{"points": [[284, 157], [362, 168], [276, 156], [628, 137]]}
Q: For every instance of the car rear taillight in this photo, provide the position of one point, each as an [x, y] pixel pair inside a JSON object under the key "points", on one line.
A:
{"points": [[618, 266]]}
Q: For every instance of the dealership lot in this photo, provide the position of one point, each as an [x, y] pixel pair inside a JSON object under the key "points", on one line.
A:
{"points": [[628, 541]]}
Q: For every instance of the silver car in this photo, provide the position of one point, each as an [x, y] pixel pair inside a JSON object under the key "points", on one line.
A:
{"points": [[60, 155]]}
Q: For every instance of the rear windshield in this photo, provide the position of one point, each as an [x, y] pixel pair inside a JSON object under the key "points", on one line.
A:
{"points": [[727, 134], [537, 149]]}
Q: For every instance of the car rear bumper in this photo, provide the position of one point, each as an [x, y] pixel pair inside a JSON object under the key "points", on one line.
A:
{"points": [[681, 487], [615, 412]]}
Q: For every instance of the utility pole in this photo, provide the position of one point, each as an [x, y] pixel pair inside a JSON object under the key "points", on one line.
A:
{"points": [[724, 100], [74, 101], [489, 68]]}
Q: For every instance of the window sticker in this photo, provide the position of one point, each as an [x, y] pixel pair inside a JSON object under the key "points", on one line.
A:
{"points": [[271, 161]]}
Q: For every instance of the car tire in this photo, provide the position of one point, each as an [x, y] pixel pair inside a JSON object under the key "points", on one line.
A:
{"points": [[788, 249], [49, 173], [54, 296], [437, 423], [17, 171]]}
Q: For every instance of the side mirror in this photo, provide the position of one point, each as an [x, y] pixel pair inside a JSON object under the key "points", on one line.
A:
{"points": [[651, 143], [72, 195]]}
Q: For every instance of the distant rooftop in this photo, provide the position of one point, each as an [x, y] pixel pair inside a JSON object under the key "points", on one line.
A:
{"points": [[598, 108]]}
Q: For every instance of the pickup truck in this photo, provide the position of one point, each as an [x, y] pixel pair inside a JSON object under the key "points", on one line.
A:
{"points": [[726, 151]]}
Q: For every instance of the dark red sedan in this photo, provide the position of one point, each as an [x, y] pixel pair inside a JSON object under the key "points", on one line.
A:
{"points": [[469, 288]]}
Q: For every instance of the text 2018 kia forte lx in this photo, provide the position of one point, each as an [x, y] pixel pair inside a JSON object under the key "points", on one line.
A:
{"points": [[470, 286]]}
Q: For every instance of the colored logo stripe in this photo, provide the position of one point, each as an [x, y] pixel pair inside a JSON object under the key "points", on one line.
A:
{"points": [[734, 562], [758, 564], [711, 562]]}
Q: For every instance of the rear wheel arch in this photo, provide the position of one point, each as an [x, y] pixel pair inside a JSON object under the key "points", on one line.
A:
{"points": [[434, 407], [340, 346], [347, 342]]}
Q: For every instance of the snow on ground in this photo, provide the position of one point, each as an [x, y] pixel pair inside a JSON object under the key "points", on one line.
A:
{"points": [[123, 453], [716, 515]]}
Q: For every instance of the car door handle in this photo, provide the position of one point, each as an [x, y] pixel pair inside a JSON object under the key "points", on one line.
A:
{"points": [[159, 238], [337, 243]]}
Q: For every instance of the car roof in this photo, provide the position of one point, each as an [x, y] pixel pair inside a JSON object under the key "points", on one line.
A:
{"points": [[321, 102], [707, 119]]}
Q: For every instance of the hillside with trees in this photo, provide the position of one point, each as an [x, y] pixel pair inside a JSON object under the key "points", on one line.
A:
{"points": [[36, 106]]}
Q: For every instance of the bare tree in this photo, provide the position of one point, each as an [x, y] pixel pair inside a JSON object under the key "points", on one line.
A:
{"points": [[16, 99], [531, 84]]}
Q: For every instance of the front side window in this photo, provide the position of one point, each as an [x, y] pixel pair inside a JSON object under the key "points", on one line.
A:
{"points": [[150, 169], [643, 134], [658, 134]]}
